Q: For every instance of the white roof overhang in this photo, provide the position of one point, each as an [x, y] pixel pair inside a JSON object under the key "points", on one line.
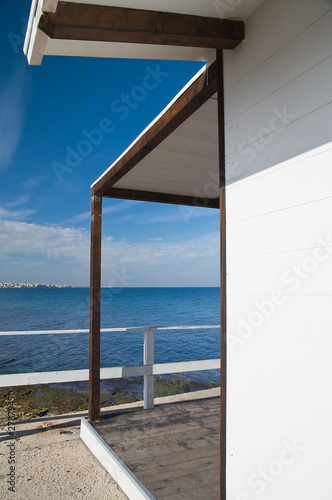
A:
{"points": [[175, 159], [82, 28]]}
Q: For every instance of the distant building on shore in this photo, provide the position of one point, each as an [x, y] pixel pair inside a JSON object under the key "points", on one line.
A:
{"points": [[31, 285]]}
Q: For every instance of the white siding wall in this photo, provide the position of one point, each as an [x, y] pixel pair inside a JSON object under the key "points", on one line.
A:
{"points": [[279, 244]]}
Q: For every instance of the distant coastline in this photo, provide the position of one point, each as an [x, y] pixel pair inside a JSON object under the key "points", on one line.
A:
{"points": [[31, 285], [39, 285]]}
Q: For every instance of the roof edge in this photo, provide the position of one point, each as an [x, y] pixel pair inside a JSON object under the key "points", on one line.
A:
{"points": [[201, 72]]}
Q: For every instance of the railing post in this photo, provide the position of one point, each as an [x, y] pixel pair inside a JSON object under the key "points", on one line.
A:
{"points": [[148, 360]]}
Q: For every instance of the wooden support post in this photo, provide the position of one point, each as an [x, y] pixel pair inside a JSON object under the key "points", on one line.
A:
{"points": [[95, 281], [148, 360], [223, 358]]}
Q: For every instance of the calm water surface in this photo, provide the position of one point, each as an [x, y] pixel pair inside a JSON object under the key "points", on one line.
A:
{"points": [[68, 308]]}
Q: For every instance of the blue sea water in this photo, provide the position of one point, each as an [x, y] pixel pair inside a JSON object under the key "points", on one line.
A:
{"points": [[26, 309]]}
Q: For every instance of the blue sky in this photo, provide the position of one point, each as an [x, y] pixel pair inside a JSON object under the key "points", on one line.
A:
{"points": [[46, 114]]}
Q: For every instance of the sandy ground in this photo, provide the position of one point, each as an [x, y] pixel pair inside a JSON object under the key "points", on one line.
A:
{"points": [[51, 461]]}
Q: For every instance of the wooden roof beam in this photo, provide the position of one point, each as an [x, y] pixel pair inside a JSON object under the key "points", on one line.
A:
{"points": [[75, 21], [175, 199]]}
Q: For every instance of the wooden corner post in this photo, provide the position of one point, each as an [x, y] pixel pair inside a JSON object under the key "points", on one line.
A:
{"points": [[223, 358], [95, 282]]}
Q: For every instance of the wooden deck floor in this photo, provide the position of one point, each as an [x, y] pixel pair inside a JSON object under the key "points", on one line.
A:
{"points": [[173, 449]]}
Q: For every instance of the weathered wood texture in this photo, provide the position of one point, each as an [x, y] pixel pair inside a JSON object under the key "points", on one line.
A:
{"points": [[173, 449], [94, 325], [132, 194], [223, 291], [74, 21]]}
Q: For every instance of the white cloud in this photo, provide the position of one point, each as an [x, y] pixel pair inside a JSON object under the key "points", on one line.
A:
{"points": [[16, 202], [34, 182], [118, 207], [47, 241], [170, 214], [193, 262], [23, 213], [12, 115], [14, 210], [166, 215], [149, 263]]}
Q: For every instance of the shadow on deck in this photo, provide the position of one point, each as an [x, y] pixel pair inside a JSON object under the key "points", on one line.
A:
{"points": [[169, 452]]}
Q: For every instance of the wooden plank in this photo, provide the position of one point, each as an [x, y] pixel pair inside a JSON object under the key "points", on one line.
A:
{"points": [[154, 445], [186, 327], [18, 379], [169, 417], [303, 227], [207, 482], [265, 188], [195, 485], [95, 283], [266, 417], [170, 459], [210, 491], [170, 454], [223, 308], [164, 162], [292, 141], [266, 273], [186, 366], [274, 113], [302, 319], [286, 22], [78, 48], [195, 96], [179, 469], [169, 177], [106, 330], [29, 26], [147, 438], [196, 147], [173, 449], [319, 372], [134, 194], [278, 71], [75, 21], [163, 166], [146, 428], [193, 130], [166, 415], [37, 45]]}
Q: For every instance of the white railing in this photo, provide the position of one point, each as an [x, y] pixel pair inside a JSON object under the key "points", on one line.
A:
{"points": [[148, 370]]}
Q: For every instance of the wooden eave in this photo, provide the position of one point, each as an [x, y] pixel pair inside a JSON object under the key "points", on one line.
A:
{"points": [[173, 199], [197, 94], [76, 21]]}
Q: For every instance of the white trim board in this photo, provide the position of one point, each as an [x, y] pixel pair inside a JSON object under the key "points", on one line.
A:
{"points": [[124, 477]]}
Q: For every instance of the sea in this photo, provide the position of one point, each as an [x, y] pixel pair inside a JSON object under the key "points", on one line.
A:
{"points": [[28, 309]]}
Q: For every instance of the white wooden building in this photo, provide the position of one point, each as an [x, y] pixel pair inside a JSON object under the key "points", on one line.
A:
{"points": [[278, 150]]}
